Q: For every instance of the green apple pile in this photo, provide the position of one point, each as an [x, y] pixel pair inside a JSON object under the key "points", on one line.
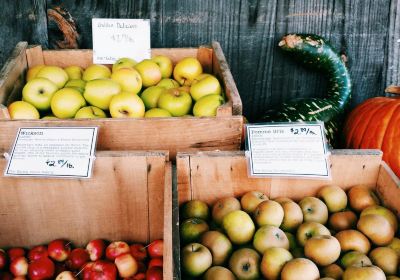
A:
{"points": [[127, 90], [333, 235]]}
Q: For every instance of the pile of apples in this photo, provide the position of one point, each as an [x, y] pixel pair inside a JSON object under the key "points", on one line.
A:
{"points": [[127, 90], [98, 261], [331, 236]]}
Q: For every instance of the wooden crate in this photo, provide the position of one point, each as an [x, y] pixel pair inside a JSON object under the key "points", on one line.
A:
{"points": [[222, 132], [209, 176], [129, 197]]}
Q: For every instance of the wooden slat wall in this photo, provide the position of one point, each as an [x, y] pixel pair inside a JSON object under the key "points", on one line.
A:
{"points": [[365, 30]]}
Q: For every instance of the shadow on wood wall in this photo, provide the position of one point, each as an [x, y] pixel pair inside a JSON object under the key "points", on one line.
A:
{"points": [[366, 31]]}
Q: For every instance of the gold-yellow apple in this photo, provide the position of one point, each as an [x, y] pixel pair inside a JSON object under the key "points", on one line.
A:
{"points": [[126, 105], [90, 112], [207, 105], [55, 74], [22, 110], [74, 72], [39, 92], [157, 113], [66, 102], [96, 71], [150, 96], [168, 83], [187, 70], [203, 85], [149, 71], [100, 91], [124, 62], [32, 72], [165, 64], [129, 80]]}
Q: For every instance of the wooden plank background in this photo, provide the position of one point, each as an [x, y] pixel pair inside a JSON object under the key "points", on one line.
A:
{"points": [[366, 31]]}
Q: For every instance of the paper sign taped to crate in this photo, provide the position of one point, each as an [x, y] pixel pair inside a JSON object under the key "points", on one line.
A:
{"points": [[287, 150], [117, 38], [53, 152]]}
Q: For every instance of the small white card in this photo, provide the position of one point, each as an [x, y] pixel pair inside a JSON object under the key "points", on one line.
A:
{"points": [[116, 38], [53, 152], [287, 150]]}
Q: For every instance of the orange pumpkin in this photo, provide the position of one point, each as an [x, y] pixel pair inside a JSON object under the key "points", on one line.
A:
{"points": [[375, 124]]}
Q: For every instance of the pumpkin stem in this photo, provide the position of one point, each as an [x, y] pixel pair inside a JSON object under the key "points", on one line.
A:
{"points": [[393, 90]]}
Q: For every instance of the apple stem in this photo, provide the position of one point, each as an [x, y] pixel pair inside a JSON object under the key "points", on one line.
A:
{"points": [[69, 242], [80, 271]]}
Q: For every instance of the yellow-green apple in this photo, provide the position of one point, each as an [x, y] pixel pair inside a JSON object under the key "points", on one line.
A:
{"points": [[386, 258], [32, 72], [157, 113], [268, 237], [300, 269], [333, 271], [224, 206], [309, 229], [126, 105], [361, 197], [96, 71], [165, 64], [245, 264], [149, 71], [150, 96], [293, 216], [74, 72], [218, 273], [39, 92], [207, 105], [175, 101], [187, 70], [292, 240], [368, 272], [90, 112], [314, 210], [129, 80], [376, 228], [322, 249], [196, 259], [268, 212], [342, 220], [99, 92], [55, 74], [195, 209], [205, 84], [251, 200], [127, 265], [395, 245], [77, 84], [124, 62], [168, 83], [191, 230], [66, 102], [384, 212], [353, 240], [66, 275], [334, 197], [238, 226], [273, 261], [218, 244]]}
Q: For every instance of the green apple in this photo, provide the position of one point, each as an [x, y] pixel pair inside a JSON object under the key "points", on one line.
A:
{"points": [[273, 261], [238, 226], [191, 230], [157, 113], [100, 92], [39, 92], [178, 103], [218, 244], [126, 105], [165, 64], [76, 83], [150, 96], [268, 237], [245, 264], [90, 112], [96, 71], [149, 71], [23, 110], [74, 72], [124, 62], [196, 259], [129, 79], [207, 105], [32, 72], [218, 273], [168, 83], [66, 102], [187, 70], [204, 85], [195, 209], [55, 74]]}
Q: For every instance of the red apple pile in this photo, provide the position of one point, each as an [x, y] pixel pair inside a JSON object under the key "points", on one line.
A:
{"points": [[333, 235], [99, 260]]}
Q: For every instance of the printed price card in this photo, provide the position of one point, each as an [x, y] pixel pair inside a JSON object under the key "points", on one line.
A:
{"points": [[53, 152], [116, 38], [287, 150]]}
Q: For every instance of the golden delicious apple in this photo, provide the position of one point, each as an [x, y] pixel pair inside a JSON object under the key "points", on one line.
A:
{"points": [[39, 92], [129, 79], [32, 72], [126, 105], [165, 64], [124, 62], [175, 101], [78, 84], [207, 105], [149, 71], [204, 85], [150, 96], [66, 102], [74, 72], [23, 110], [168, 83], [55, 74], [90, 112], [96, 71], [100, 92], [187, 70], [157, 113]]}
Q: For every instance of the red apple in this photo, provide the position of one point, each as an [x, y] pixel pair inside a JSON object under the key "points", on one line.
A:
{"points": [[96, 249], [116, 249], [142, 267], [14, 253], [19, 266], [77, 258], [59, 250], [66, 275], [3, 259], [138, 251], [41, 269], [87, 271], [103, 270], [154, 273], [156, 262], [5, 275], [127, 266], [37, 252], [155, 248], [139, 276]]}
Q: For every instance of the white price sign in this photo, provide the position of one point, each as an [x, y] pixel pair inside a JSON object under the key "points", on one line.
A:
{"points": [[53, 152], [287, 150], [116, 38]]}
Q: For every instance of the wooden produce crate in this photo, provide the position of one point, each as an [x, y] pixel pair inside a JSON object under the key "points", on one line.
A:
{"points": [[129, 197], [208, 176], [223, 132]]}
